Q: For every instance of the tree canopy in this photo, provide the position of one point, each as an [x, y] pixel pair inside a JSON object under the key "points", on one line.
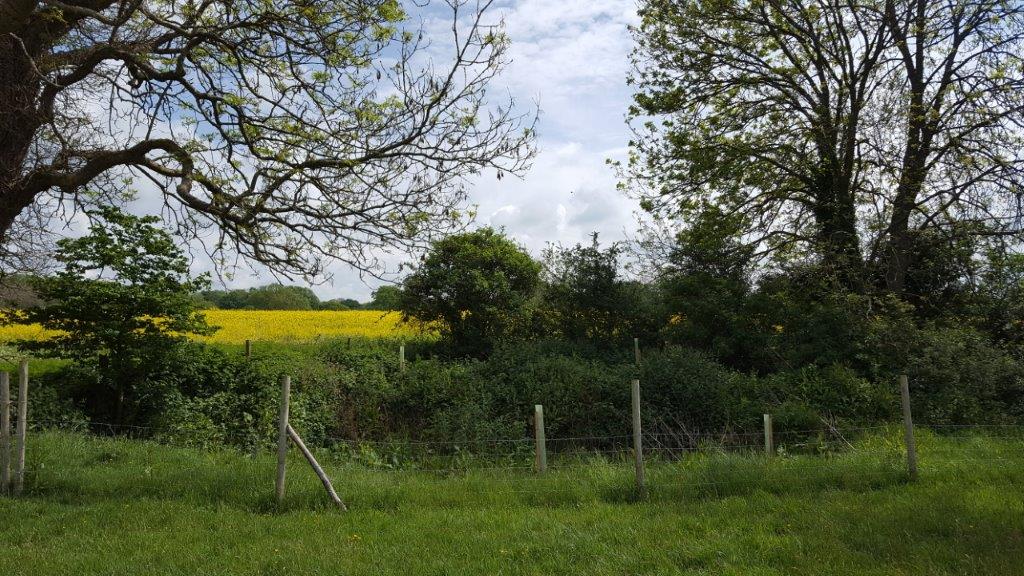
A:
{"points": [[476, 285], [289, 133], [122, 300], [835, 130]]}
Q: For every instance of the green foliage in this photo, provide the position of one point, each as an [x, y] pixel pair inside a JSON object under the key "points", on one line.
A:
{"points": [[809, 397], [122, 300], [386, 298], [339, 304], [477, 286], [274, 297], [215, 398], [959, 377], [999, 301], [584, 298], [278, 297]]}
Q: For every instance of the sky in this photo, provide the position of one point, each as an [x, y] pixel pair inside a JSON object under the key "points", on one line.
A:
{"points": [[570, 58]]}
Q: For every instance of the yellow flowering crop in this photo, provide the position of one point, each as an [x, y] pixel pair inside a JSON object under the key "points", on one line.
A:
{"points": [[23, 332], [277, 326], [301, 325]]}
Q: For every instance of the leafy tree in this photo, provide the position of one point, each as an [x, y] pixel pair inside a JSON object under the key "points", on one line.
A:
{"points": [[838, 131], [341, 304], [582, 292], [386, 298], [121, 302], [999, 298], [477, 286], [706, 284], [585, 298], [278, 297], [227, 299], [298, 130]]}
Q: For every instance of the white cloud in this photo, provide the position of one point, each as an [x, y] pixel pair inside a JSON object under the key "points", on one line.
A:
{"points": [[572, 57]]}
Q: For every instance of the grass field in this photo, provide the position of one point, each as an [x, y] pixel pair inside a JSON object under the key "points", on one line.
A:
{"points": [[100, 506], [236, 326]]}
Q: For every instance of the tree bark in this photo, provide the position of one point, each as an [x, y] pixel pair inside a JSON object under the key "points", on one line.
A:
{"points": [[14, 14], [19, 122]]}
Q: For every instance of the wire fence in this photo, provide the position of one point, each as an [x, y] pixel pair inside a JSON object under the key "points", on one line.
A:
{"points": [[867, 457], [682, 460]]}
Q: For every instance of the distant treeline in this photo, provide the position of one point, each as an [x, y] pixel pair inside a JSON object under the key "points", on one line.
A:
{"points": [[280, 297]]}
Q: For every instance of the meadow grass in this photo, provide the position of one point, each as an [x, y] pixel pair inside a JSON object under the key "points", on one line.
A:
{"points": [[104, 506]]}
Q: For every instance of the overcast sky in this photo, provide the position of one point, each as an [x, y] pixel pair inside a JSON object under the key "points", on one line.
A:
{"points": [[571, 57]]}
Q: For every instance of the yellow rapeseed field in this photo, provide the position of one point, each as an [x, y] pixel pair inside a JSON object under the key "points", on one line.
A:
{"points": [[236, 326], [22, 332], [303, 325]]}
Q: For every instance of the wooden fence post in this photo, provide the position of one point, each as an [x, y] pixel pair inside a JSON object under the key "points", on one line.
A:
{"points": [[401, 357], [638, 451], [248, 348], [769, 435], [908, 427], [22, 430], [636, 351], [5, 432], [541, 458], [282, 436]]}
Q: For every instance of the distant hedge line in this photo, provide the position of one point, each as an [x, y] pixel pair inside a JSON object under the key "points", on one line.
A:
{"points": [[207, 395]]}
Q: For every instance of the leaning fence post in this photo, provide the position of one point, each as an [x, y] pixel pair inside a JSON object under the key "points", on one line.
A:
{"points": [[282, 436], [316, 467], [248, 348], [401, 357], [22, 430], [908, 427], [638, 451], [541, 458], [5, 432], [769, 435]]}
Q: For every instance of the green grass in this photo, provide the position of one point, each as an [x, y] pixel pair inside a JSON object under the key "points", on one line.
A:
{"points": [[100, 506]]}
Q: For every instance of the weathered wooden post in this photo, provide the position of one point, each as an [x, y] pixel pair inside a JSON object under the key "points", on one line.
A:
{"points": [[541, 457], [22, 430], [316, 468], [769, 436], [282, 436], [248, 348], [908, 427], [5, 432], [638, 451], [401, 357]]}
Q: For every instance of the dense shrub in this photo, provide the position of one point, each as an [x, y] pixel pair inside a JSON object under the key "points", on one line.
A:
{"points": [[958, 376], [808, 397], [200, 395], [348, 394]]}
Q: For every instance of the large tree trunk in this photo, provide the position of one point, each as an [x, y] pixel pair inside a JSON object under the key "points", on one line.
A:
{"points": [[913, 172], [14, 14], [839, 242], [835, 208], [19, 121]]}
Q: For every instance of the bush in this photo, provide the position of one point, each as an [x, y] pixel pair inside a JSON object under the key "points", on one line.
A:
{"points": [[200, 395], [958, 376], [685, 389], [805, 399]]}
